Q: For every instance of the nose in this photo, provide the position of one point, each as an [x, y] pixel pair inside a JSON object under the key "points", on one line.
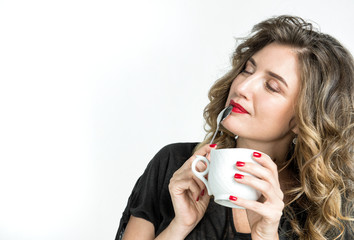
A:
{"points": [[246, 86]]}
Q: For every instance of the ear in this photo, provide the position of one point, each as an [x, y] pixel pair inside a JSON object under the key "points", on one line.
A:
{"points": [[293, 126], [295, 130]]}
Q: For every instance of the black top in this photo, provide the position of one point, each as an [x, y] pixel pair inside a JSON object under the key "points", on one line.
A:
{"points": [[150, 200]]}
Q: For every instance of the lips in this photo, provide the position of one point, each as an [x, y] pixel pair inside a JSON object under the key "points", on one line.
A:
{"points": [[237, 108]]}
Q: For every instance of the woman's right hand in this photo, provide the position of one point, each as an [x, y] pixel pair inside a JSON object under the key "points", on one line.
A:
{"points": [[189, 196]]}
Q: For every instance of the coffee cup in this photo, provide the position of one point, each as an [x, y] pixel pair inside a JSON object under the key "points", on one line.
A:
{"points": [[221, 170]]}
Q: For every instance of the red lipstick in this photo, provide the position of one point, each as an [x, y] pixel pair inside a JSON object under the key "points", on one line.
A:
{"points": [[237, 108]]}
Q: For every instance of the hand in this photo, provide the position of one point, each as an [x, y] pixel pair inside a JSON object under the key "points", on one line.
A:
{"points": [[189, 196], [263, 215]]}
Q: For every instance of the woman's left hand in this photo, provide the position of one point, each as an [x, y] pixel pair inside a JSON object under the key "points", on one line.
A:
{"points": [[263, 215]]}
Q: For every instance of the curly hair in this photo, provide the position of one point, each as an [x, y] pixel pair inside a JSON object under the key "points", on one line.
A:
{"points": [[323, 154]]}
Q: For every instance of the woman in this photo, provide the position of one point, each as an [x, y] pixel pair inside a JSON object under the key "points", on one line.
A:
{"points": [[291, 89]]}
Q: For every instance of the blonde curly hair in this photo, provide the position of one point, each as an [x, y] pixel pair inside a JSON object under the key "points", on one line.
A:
{"points": [[322, 158]]}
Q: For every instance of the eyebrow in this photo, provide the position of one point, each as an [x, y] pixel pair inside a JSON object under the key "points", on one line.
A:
{"points": [[281, 79]]}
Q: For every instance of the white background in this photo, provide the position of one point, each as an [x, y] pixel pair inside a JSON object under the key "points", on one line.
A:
{"points": [[91, 90]]}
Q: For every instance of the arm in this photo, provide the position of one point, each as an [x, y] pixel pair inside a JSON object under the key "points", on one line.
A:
{"points": [[146, 229], [189, 204], [141, 229]]}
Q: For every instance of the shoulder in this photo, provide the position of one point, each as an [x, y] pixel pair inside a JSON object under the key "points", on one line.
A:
{"points": [[178, 149], [173, 155]]}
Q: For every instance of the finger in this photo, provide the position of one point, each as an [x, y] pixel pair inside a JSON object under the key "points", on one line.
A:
{"points": [[205, 150], [199, 182], [201, 166], [183, 174], [179, 187], [187, 174], [204, 197], [270, 211], [267, 189], [266, 162], [259, 171]]}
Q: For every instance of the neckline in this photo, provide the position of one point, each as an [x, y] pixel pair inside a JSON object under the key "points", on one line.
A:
{"points": [[231, 220]]}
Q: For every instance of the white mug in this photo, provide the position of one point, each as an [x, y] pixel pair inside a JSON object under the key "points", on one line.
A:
{"points": [[221, 170]]}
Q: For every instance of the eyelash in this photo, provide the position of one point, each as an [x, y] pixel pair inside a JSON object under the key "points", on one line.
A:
{"points": [[245, 71], [267, 85]]}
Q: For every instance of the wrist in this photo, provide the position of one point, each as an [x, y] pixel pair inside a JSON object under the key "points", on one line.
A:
{"points": [[180, 230], [275, 237]]}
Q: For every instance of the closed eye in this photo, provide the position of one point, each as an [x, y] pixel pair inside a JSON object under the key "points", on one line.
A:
{"points": [[272, 86], [246, 72], [249, 68]]}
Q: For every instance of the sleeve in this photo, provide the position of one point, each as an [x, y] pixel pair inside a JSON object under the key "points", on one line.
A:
{"points": [[145, 199]]}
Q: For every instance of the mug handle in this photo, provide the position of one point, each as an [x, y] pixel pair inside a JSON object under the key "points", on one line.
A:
{"points": [[201, 175]]}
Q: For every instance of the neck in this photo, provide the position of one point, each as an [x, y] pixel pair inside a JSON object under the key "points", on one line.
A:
{"points": [[276, 150]]}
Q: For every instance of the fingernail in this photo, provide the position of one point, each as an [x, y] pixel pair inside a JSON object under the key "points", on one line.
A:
{"points": [[238, 176], [232, 198], [202, 193], [212, 145], [257, 154], [197, 199], [240, 164]]}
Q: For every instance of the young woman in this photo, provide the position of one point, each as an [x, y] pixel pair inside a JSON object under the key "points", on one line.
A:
{"points": [[291, 88]]}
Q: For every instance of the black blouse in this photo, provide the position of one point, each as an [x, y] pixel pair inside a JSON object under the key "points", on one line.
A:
{"points": [[150, 200]]}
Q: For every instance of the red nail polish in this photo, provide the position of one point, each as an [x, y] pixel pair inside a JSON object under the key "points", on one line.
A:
{"points": [[238, 176], [233, 198], [212, 145], [257, 154], [202, 193], [240, 164], [197, 199]]}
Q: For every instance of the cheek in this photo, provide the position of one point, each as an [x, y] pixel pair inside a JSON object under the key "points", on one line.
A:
{"points": [[232, 91], [276, 113], [229, 96]]}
